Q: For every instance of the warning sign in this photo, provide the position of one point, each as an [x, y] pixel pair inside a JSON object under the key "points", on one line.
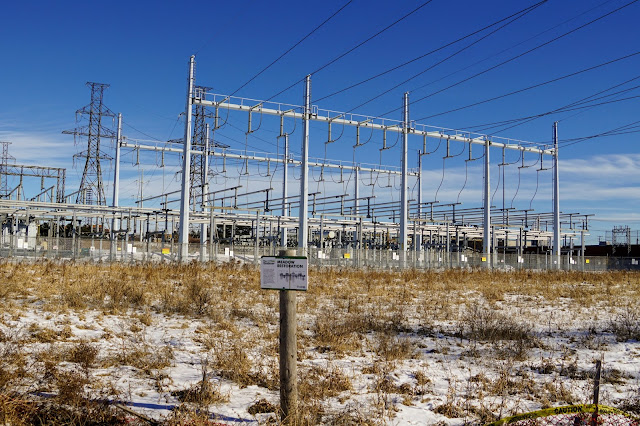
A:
{"points": [[284, 273]]}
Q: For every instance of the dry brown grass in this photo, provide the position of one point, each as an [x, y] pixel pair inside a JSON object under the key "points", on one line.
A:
{"points": [[385, 317], [626, 324]]}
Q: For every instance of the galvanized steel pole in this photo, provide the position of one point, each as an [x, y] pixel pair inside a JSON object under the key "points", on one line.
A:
{"points": [[417, 236], [183, 238], [285, 177], [556, 199], [404, 193], [486, 243], [116, 186], [356, 201], [116, 174], [304, 173], [356, 191], [205, 192], [141, 201]]}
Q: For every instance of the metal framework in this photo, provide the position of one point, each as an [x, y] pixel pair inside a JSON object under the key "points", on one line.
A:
{"points": [[91, 189], [56, 192], [200, 141], [4, 164], [360, 219], [393, 219], [621, 238], [406, 127]]}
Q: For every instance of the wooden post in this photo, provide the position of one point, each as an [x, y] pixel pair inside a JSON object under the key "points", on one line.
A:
{"points": [[596, 385], [146, 257], [288, 349], [73, 236], [57, 235], [596, 393], [256, 242]]}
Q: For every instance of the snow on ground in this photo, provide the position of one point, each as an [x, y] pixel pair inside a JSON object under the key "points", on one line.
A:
{"points": [[429, 370]]}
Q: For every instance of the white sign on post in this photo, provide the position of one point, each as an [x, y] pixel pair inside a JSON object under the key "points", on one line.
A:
{"points": [[284, 273]]}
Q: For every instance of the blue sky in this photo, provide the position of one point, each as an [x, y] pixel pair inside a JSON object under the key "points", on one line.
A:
{"points": [[140, 48]]}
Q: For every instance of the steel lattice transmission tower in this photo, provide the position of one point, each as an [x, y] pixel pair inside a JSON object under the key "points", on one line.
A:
{"points": [[198, 143], [91, 189], [621, 237], [199, 172], [4, 167]]}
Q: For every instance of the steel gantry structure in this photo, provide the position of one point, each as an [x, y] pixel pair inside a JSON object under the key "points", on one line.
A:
{"points": [[307, 113], [406, 223], [10, 168], [410, 222]]}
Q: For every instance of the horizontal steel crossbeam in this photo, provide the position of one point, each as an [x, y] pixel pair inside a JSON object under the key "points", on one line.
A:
{"points": [[376, 123]]}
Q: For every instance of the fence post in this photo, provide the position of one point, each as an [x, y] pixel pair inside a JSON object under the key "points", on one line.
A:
{"points": [[596, 387], [73, 237], [288, 349], [596, 392]]}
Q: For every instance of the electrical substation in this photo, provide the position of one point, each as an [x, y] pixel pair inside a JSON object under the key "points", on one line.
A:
{"points": [[339, 208]]}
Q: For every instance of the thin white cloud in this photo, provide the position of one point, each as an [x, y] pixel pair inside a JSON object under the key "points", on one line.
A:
{"points": [[600, 191], [587, 185], [43, 149], [625, 166], [616, 218]]}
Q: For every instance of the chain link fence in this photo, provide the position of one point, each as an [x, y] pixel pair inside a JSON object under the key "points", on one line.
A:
{"points": [[134, 250]]}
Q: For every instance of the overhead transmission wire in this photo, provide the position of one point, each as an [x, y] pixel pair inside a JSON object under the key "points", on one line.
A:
{"points": [[586, 108], [577, 108], [252, 135], [444, 162], [517, 16], [141, 132], [154, 170], [544, 83], [347, 52], [498, 185], [622, 130], [290, 49], [417, 58], [533, 49], [537, 186], [524, 166], [576, 105], [502, 166], [472, 65], [466, 172], [257, 149]]}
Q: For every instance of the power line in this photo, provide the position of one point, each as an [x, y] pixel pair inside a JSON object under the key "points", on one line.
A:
{"points": [[521, 14], [423, 55], [511, 47], [254, 136], [579, 108], [525, 120], [141, 132], [291, 48], [517, 56], [337, 58], [599, 136], [582, 108], [544, 83], [488, 126], [622, 130]]}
